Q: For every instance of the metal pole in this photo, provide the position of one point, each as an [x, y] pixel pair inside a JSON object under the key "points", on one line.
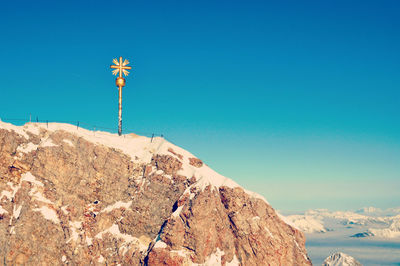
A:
{"points": [[120, 111]]}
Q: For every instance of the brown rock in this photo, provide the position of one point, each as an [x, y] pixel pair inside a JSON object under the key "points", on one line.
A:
{"points": [[196, 162], [168, 164], [176, 154]]}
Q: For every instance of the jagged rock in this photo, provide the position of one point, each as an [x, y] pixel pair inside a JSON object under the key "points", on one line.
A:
{"points": [[340, 259], [72, 196], [196, 162]]}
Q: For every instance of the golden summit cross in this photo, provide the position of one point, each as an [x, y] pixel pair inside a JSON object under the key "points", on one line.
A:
{"points": [[120, 67]]}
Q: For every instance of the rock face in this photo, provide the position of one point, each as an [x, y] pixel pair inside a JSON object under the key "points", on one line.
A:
{"points": [[340, 259], [72, 196]]}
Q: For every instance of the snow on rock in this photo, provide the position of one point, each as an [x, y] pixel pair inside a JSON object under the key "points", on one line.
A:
{"points": [[204, 175], [340, 259], [26, 148], [7, 194], [68, 142], [114, 231], [233, 262], [160, 244], [307, 224], [213, 259], [136, 147], [2, 211], [177, 212], [28, 177], [117, 205], [268, 232], [16, 211], [48, 214], [47, 143], [64, 209], [75, 227]]}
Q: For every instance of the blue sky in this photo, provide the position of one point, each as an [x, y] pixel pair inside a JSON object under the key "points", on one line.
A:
{"points": [[298, 101]]}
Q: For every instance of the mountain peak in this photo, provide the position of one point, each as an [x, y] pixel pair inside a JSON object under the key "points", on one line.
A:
{"points": [[340, 259]]}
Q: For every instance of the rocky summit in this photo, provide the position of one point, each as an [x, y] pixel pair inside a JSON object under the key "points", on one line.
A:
{"points": [[79, 197]]}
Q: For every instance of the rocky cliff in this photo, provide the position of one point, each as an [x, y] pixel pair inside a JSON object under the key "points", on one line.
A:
{"points": [[72, 196]]}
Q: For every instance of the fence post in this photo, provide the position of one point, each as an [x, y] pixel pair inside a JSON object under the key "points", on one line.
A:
{"points": [[152, 136], [77, 126], [37, 119], [30, 118], [47, 123]]}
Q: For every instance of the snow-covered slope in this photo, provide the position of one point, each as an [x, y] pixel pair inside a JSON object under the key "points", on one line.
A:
{"points": [[139, 148], [340, 259]]}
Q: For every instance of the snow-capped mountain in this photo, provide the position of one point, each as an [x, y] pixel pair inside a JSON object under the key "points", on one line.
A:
{"points": [[392, 231], [73, 196], [369, 210], [368, 224], [307, 224], [340, 259]]}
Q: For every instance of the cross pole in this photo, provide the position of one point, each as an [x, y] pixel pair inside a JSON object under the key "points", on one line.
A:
{"points": [[120, 68]]}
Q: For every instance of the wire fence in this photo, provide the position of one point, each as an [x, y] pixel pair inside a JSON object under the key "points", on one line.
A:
{"points": [[80, 124]]}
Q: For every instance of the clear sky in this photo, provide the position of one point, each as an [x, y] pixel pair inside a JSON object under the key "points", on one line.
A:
{"points": [[297, 100]]}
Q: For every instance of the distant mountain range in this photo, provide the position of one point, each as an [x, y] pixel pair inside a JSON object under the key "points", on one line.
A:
{"points": [[371, 222]]}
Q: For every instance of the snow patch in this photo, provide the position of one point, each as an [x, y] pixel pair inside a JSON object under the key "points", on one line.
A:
{"points": [[27, 147], [117, 205], [47, 143], [7, 194], [64, 210], [213, 259], [269, 232], [28, 177], [36, 195], [19, 130], [127, 239], [75, 227], [177, 212], [48, 214], [2, 211], [160, 244], [89, 241], [234, 262], [68, 142], [16, 211]]}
